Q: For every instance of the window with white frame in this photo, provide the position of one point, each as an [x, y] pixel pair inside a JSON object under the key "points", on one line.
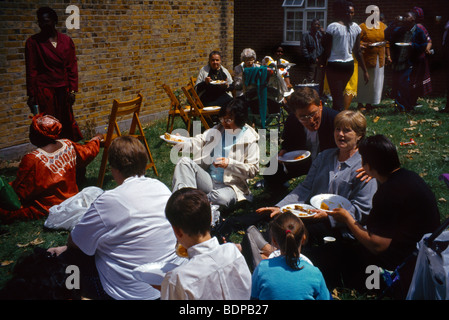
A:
{"points": [[298, 15]]}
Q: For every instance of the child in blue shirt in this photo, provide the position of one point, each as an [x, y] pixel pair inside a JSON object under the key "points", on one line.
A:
{"points": [[287, 277]]}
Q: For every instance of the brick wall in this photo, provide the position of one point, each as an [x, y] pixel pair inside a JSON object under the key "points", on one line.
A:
{"points": [[259, 25], [123, 47]]}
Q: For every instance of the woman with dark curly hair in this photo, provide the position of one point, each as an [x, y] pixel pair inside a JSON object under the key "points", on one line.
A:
{"points": [[224, 157]]}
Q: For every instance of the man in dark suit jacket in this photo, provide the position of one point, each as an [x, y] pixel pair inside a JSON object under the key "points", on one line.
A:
{"points": [[310, 126]]}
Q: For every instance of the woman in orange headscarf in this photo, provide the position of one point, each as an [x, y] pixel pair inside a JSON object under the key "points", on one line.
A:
{"points": [[47, 175]]}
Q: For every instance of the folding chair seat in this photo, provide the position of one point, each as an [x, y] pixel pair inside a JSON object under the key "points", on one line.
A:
{"points": [[120, 109], [176, 110], [197, 107]]}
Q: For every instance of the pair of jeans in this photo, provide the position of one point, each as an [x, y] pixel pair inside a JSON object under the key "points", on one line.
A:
{"points": [[338, 75]]}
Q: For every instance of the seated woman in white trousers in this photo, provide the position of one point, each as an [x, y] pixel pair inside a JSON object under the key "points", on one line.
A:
{"points": [[224, 158]]}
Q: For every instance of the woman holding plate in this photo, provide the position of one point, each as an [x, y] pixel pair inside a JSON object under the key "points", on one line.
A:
{"points": [[409, 43], [334, 171], [376, 54], [214, 82], [224, 158]]}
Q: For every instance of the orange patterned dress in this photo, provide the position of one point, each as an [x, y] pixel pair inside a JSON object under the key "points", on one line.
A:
{"points": [[47, 179]]}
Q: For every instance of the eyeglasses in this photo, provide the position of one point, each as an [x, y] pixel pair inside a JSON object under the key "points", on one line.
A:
{"points": [[227, 120], [309, 117]]}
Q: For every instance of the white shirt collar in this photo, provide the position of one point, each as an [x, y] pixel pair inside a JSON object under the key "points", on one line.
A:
{"points": [[203, 247]]}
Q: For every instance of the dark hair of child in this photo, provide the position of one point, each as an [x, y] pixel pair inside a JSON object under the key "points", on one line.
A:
{"points": [[288, 232], [189, 210]]}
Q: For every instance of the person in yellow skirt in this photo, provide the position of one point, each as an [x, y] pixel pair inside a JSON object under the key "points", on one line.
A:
{"points": [[350, 90]]}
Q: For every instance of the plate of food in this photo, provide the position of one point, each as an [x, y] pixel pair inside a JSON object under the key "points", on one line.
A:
{"points": [[300, 210], [329, 202], [173, 138], [403, 44], [153, 273], [218, 82], [294, 156], [212, 108]]}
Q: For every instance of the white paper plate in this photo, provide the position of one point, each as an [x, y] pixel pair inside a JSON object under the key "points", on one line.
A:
{"points": [[331, 200], [153, 273], [298, 212], [292, 155], [288, 93], [307, 85], [218, 82], [403, 44], [377, 44], [212, 108], [172, 136]]}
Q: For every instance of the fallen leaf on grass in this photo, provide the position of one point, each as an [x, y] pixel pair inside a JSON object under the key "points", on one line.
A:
{"points": [[411, 151], [408, 129], [442, 200], [335, 295], [35, 242], [423, 174], [6, 263]]}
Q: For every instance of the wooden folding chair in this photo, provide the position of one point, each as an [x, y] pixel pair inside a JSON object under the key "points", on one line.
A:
{"points": [[198, 107], [176, 110], [120, 109], [193, 81]]}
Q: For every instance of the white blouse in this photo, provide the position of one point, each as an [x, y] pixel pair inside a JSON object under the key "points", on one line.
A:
{"points": [[342, 41]]}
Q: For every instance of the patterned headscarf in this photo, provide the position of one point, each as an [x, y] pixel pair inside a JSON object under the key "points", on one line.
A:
{"points": [[47, 126], [419, 14]]}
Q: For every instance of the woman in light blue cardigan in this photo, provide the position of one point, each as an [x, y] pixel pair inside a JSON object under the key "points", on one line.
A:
{"points": [[334, 171]]}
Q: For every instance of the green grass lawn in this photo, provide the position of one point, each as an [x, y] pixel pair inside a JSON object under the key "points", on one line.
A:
{"points": [[429, 157]]}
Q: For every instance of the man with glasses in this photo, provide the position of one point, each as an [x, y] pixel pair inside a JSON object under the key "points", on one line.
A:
{"points": [[309, 126]]}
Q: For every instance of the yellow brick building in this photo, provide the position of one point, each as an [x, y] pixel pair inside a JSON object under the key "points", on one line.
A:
{"points": [[123, 48]]}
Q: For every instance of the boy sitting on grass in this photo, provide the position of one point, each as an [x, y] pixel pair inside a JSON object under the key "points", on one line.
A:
{"points": [[214, 271]]}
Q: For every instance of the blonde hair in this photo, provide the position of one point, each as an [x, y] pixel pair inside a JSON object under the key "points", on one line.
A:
{"points": [[351, 119]]}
